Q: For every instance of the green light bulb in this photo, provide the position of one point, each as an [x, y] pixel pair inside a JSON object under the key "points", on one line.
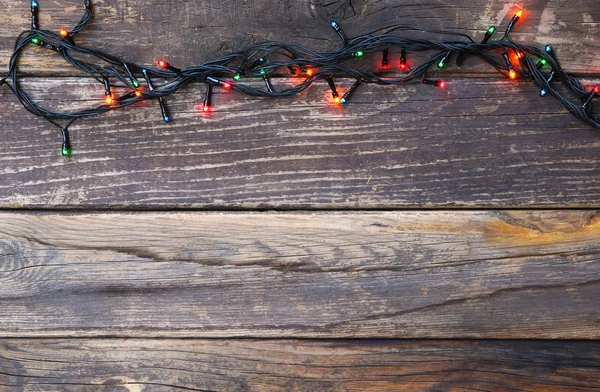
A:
{"points": [[543, 61], [359, 53], [237, 76], [35, 40], [491, 30], [135, 83], [66, 151], [262, 72], [441, 64]]}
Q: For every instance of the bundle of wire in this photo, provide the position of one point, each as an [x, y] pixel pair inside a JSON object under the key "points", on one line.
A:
{"points": [[266, 59]]}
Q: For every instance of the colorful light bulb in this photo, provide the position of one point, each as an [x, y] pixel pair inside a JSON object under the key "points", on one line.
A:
{"points": [[339, 31], [346, 97], [310, 72], [359, 53], [107, 94], [384, 60], [334, 93], [513, 21], [403, 65], [541, 63], [488, 34], [163, 64], [268, 83], [208, 99], [442, 62], [586, 105], [512, 74], [63, 32], [237, 76], [34, 14], [436, 83], [222, 83], [66, 145], [35, 40]]}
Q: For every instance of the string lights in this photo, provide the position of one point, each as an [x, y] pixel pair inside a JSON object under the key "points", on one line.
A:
{"points": [[272, 58]]}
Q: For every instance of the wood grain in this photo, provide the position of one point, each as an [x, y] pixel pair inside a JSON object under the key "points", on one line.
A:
{"points": [[518, 274], [297, 365], [190, 32], [477, 143]]}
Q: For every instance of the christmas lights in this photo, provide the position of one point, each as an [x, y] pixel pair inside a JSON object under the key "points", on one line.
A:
{"points": [[338, 30], [334, 93], [385, 64], [208, 100], [403, 64], [348, 94], [268, 59]]}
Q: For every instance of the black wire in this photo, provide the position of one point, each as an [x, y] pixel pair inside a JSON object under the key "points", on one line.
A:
{"points": [[277, 56]]}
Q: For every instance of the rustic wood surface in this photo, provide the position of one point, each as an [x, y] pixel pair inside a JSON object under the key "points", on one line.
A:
{"points": [[73, 284], [478, 143], [514, 274], [297, 365]]}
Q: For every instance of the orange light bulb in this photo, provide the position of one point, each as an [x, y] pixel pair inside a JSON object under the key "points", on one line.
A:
{"points": [[336, 99], [63, 32], [309, 72], [512, 74], [519, 13], [138, 94], [108, 99]]}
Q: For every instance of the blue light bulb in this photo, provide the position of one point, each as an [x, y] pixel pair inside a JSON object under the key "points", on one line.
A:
{"points": [[543, 93]]}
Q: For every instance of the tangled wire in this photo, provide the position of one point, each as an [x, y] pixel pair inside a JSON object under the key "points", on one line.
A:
{"points": [[269, 58]]}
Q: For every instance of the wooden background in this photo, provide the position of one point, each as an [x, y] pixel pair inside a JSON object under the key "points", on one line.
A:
{"points": [[416, 239]]}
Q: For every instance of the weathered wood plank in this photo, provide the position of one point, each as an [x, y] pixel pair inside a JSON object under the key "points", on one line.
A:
{"points": [[190, 32], [477, 143], [297, 365], [408, 274]]}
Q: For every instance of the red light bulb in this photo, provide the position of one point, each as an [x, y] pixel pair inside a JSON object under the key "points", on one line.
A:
{"points": [[442, 84], [205, 108], [163, 64], [226, 85], [597, 90]]}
